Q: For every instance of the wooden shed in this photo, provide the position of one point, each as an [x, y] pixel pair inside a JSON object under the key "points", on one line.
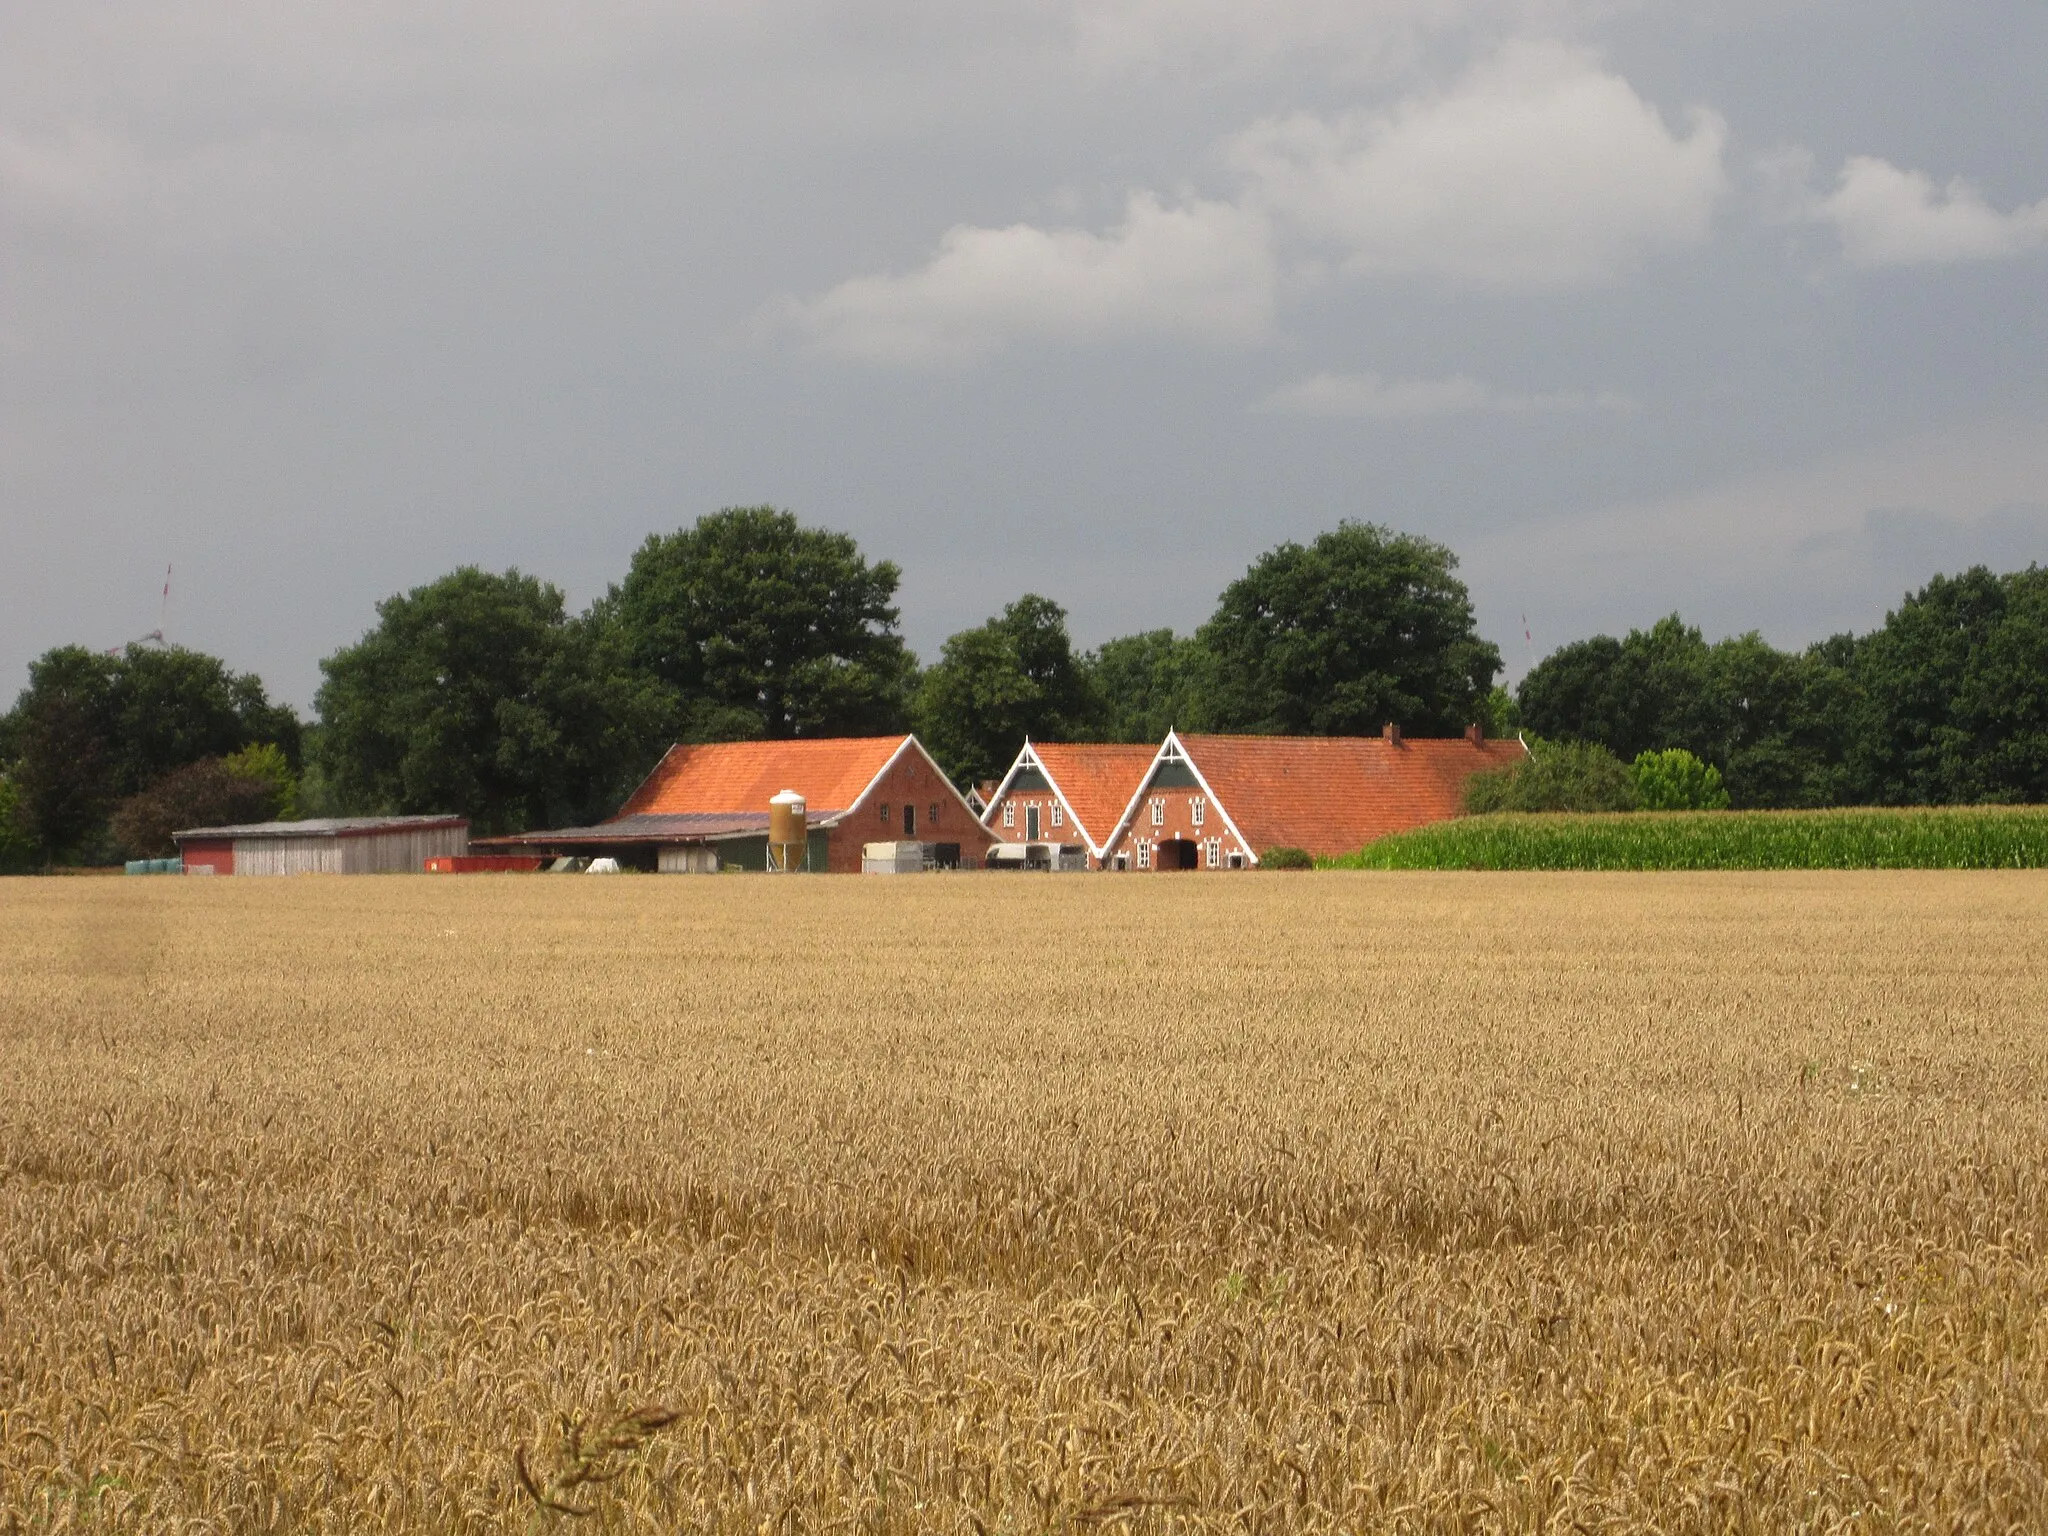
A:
{"points": [[335, 845]]}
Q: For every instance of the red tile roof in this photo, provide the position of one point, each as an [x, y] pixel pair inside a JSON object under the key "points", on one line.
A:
{"points": [[732, 776], [1097, 779], [1335, 794]]}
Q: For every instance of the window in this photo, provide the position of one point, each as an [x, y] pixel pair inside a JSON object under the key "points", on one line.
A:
{"points": [[1144, 855], [1158, 813], [1214, 849], [1059, 814], [1121, 861], [885, 813], [1009, 814], [933, 819], [1196, 809], [1237, 861]]}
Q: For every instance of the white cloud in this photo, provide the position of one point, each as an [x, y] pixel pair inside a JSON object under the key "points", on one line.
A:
{"points": [[1539, 167], [1888, 218], [1369, 396], [1202, 269]]}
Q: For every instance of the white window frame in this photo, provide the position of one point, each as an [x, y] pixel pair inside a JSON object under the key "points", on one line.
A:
{"points": [[1158, 811], [1197, 809], [885, 813], [1144, 854], [933, 819], [1009, 813], [1059, 814]]}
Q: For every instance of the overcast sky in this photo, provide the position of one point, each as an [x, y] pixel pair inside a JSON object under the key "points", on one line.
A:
{"points": [[1734, 307]]}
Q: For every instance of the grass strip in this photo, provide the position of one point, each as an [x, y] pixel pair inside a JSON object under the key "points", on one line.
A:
{"points": [[1962, 837]]}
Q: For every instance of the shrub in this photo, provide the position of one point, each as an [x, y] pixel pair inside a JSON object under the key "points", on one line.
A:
{"points": [[1675, 780], [1286, 858], [1556, 776]]}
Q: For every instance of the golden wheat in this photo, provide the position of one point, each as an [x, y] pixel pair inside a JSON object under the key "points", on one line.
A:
{"points": [[1263, 1203]]}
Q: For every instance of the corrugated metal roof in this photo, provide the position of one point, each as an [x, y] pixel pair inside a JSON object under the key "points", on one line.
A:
{"points": [[688, 827], [325, 826]]}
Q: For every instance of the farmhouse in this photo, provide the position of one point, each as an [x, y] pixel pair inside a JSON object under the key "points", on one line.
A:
{"points": [[705, 808], [1070, 793], [1220, 802], [343, 845]]}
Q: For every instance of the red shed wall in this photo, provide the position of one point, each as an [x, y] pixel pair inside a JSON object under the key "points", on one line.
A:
{"points": [[219, 856], [913, 781]]}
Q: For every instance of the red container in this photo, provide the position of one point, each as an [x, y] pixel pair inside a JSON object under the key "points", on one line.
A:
{"points": [[484, 864]]}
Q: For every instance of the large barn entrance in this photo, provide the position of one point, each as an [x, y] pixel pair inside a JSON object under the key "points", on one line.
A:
{"points": [[1176, 853]]}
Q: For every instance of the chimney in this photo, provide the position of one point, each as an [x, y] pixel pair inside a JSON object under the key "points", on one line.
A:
{"points": [[1391, 734], [1476, 734]]}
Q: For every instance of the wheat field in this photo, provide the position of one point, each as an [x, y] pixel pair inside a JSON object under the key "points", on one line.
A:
{"points": [[1261, 1203]]}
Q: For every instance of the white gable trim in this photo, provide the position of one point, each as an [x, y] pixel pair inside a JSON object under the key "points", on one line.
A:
{"points": [[1181, 751], [1028, 758], [908, 743]]}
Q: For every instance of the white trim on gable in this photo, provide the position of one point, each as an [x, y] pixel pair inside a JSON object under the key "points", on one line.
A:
{"points": [[904, 746], [1027, 757], [1180, 753]]}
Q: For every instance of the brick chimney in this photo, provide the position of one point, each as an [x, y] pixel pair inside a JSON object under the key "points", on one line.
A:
{"points": [[1391, 734], [1476, 734]]}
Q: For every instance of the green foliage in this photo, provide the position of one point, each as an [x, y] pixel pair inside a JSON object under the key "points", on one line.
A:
{"points": [[1955, 693], [757, 626], [91, 729], [1338, 637], [213, 792], [1013, 677], [476, 693], [1776, 724], [1286, 858], [266, 763], [17, 851], [1994, 837], [1146, 684], [1556, 776], [1675, 780]]}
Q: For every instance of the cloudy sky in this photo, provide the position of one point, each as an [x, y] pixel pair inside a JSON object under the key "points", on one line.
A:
{"points": [[1734, 306]]}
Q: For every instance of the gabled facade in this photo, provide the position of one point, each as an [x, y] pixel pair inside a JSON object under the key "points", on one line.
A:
{"points": [[1066, 793], [1219, 802], [706, 807]]}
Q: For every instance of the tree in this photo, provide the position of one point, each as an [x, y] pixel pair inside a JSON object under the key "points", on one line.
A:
{"points": [[17, 850], [1146, 685], [1954, 693], [1675, 780], [476, 693], [213, 792], [1013, 677], [91, 729], [1339, 637], [1556, 776], [760, 627], [1770, 721], [62, 778]]}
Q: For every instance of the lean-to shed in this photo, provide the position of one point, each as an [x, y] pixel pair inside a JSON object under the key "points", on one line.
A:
{"points": [[338, 845]]}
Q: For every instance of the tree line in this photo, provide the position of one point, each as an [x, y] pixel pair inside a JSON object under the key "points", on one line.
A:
{"points": [[482, 693]]}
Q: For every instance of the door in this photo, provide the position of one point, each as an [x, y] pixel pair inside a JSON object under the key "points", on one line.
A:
{"points": [[909, 819], [1030, 823]]}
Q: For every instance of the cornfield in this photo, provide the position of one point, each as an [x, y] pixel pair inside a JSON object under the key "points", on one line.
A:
{"points": [[979, 1204], [1968, 837]]}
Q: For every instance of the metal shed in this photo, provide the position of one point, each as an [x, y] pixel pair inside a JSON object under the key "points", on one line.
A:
{"points": [[335, 845]]}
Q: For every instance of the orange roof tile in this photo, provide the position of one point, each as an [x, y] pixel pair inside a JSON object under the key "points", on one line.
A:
{"points": [[1335, 794], [729, 776], [1097, 779]]}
